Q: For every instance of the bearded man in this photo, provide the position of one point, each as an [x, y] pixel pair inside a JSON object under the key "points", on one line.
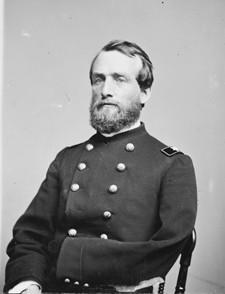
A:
{"points": [[114, 212]]}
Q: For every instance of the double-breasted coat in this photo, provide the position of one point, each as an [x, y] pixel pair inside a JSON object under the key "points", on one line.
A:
{"points": [[111, 211]]}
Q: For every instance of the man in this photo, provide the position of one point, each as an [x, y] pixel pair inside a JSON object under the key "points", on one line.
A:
{"points": [[115, 211]]}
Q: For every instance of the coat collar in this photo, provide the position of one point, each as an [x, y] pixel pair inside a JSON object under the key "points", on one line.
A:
{"points": [[130, 134]]}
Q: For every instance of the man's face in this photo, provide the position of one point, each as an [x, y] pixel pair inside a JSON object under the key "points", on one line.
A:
{"points": [[116, 94]]}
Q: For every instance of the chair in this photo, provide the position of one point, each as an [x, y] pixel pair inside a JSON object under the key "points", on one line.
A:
{"points": [[185, 262]]}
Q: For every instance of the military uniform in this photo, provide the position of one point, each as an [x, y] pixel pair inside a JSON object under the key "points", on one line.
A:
{"points": [[111, 211]]}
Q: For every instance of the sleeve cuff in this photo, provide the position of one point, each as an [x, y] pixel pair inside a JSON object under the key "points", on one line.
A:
{"points": [[23, 286]]}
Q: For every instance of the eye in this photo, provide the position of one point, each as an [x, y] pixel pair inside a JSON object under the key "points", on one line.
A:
{"points": [[120, 80], [97, 81]]}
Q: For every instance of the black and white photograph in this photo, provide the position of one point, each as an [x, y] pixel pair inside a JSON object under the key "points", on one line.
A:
{"points": [[112, 146]]}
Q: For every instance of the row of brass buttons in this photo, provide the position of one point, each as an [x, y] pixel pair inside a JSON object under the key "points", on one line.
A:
{"points": [[73, 233], [67, 281], [112, 189], [120, 167], [129, 147]]}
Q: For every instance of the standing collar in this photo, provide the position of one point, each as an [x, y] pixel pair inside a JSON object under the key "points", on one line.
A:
{"points": [[134, 126], [130, 134]]}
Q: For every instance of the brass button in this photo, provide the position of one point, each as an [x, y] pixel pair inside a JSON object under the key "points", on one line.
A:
{"points": [[81, 166], [72, 232], [67, 280], [86, 285], [121, 167], [130, 147], [104, 236], [89, 147], [107, 214], [113, 189], [75, 187]]}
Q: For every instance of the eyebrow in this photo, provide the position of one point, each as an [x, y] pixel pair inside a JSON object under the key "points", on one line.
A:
{"points": [[114, 74], [96, 74]]}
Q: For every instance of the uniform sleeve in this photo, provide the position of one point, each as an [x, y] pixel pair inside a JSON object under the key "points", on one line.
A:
{"points": [[28, 250], [127, 263]]}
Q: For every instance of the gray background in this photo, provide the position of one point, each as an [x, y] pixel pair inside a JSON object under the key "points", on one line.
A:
{"points": [[48, 47]]}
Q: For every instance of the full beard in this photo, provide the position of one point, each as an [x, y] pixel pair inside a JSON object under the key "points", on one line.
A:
{"points": [[105, 121]]}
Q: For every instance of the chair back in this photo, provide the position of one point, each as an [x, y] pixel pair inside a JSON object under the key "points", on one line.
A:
{"points": [[185, 262]]}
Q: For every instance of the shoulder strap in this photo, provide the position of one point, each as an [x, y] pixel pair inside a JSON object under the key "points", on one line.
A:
{"points": [[171, 150]]}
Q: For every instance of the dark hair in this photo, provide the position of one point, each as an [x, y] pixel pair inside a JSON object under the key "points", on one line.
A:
{"points": [[145, 77]]}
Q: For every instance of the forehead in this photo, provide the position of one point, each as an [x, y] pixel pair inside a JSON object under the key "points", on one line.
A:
{"points": [[115, 62]]}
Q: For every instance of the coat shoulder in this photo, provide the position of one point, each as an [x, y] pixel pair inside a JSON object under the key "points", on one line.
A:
{"points": [[165, 153], [162, 148]]}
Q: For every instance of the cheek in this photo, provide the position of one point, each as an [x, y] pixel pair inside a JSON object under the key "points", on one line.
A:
{"points": [[136, 93], [96, 94], [130, 94]]}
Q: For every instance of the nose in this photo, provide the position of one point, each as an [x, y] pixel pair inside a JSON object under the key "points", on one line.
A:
{"points": [[107, 88]]}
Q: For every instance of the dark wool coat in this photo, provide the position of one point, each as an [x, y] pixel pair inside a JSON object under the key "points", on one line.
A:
{"points": [[107, 213]]}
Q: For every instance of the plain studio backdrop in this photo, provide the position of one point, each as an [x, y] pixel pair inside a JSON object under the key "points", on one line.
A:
{"points": [[48, 48]]}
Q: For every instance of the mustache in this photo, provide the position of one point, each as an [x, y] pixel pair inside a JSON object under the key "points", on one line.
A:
{"points": [[100, 104]]}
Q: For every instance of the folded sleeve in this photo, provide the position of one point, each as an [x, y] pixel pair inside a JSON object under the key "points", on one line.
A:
{"points": [[28, 252]]}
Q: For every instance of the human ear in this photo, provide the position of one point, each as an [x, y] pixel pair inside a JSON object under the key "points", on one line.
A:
{"points": [[145, 95]]}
